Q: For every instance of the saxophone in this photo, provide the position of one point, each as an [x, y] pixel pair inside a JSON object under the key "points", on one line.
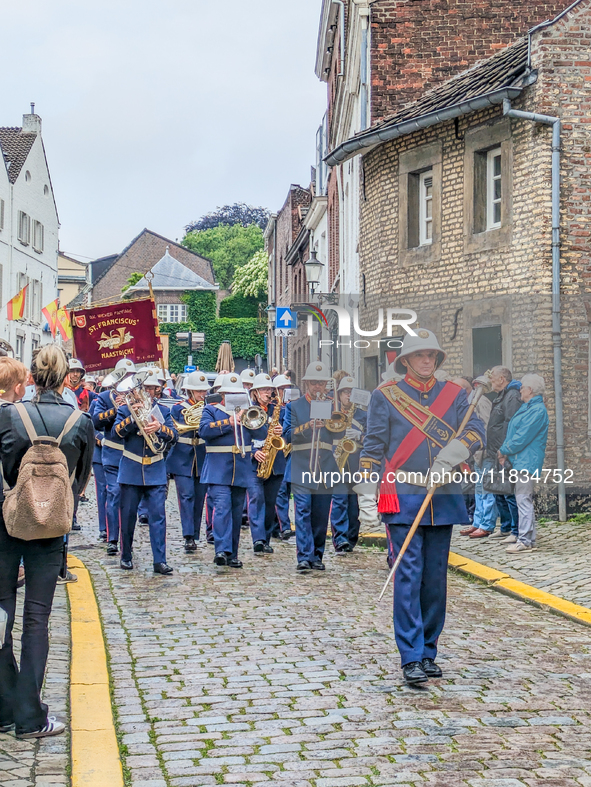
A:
{"points": [[346, 445], [273, 444]]}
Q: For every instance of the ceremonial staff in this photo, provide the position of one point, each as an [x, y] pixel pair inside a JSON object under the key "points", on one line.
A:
{"points": [[430, 492]]}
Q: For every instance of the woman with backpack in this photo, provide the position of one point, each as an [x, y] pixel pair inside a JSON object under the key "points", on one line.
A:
{"points": [[45, 447]]}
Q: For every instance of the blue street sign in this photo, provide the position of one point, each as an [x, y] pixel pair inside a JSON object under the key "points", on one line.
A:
{"points": [[189, 369], [285, 322]]}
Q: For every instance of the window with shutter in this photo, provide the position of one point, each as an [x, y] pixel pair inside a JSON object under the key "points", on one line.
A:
{"points": [[38, 236], [24, 228]]}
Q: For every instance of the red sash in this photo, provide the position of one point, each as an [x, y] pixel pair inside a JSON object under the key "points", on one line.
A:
{"points": [[388, 502]]}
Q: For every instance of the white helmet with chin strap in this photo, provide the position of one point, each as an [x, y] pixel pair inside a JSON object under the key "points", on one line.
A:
{"points": [[76, 365], [346, 382], [281, 380], [196, 381], [248, 376], [231, 384], [317, 371], [262, 381], [424, 340], [125, 363]]}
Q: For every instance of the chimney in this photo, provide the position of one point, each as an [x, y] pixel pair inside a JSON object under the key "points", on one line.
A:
{"points": [[32, 122]]}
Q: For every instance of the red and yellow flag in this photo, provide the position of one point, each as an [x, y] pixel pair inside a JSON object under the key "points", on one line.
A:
{"points": [[50, 314], [16, 305], [64, 325]]}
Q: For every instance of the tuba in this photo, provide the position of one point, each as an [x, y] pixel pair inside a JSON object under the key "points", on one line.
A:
{"points": [[135, 393]]}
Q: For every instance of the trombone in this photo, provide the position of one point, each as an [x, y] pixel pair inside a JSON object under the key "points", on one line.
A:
{"points": [[253, 418], [315, 445]]}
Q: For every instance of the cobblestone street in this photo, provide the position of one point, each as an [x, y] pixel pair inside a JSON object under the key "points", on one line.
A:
{"points": [[261, 675]]}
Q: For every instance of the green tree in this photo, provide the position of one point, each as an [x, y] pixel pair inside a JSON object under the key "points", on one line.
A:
{"points": [[252, 278], [133, 279], [228, 247]]}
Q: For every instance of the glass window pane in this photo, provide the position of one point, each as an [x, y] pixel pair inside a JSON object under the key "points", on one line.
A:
{"points": [[429, 210], [428, 230], [497, 189], [497, 165], [497, 213]]}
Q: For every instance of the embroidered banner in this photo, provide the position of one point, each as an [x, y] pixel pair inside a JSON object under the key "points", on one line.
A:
{"points": [[104, 334]]}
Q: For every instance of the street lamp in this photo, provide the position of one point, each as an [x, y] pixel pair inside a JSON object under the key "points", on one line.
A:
{"points": [[271, 313], [313, 268]]}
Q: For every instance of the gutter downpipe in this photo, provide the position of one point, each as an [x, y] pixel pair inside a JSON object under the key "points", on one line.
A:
{"points": [[341, 3], [556, 329], [363, 71]]}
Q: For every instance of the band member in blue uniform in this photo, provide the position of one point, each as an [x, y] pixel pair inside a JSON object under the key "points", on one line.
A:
{"points": [[103, 418], [142, 471], [344, 512], [263, 494], [410, 439], [99, 478], [185, 461], [225, 471], [282, 383], [311, 480]]}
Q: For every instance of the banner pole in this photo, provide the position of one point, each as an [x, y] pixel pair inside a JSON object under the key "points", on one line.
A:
{"points": [[148, 277]]}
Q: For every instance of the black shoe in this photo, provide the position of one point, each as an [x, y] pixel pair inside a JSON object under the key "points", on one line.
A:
{"points": [[190, 545], [162, 568], [143, 520], [344, 546], [276, 534], [6, 727], [268, 550], [83, 499], [235, 563], [318, 565], [210, 540], [127, 565], [431, 669], [220, 559], [414, 673], [112, 548], [102, 537], [304, 566], [76, 526], [287, 534], [259, 547]]}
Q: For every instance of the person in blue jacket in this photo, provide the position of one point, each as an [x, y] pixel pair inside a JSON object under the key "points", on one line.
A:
{"points": [[142, 474], [185, 462], [225, 471], [525, 446], [411, 443], [263, 492], [103, 417], [313, 482], [282, 383], [99, 478], [344, 511]]}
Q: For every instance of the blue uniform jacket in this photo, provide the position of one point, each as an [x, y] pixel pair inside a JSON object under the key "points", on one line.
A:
{"points": [[187, 455], [140, 466], [527, 435], [222, 464], [358, 426], [260, 435], [98, 437], [298, 432], [103, 417], [386, 428]]}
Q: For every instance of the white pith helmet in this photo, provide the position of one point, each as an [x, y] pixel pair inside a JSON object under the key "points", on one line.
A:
{"points": [[248, 376], [391, 374], [125, 363], [317, 371], [262, 381], [281, 380], [424, 340], [218, 382], [195, 381], [90, 378], [346, 382], [231, 384], [154, 380], [75, 364]]}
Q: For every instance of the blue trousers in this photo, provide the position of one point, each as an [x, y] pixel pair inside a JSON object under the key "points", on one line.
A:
{"points": [[100, 485], [508, 513], [155, 497], [485, 510], [420, 590], [113, 503], [208, 519], [255, 498], [191, 496], [227, 504], [311, 520], [282, 505], [344, 519]]}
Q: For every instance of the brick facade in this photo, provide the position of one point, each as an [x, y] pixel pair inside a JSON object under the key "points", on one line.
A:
{"points": [[417, 44], [504, 280], [140, 256]]}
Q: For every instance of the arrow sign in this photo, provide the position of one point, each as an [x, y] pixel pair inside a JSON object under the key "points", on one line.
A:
{"points": [[284, 318]]}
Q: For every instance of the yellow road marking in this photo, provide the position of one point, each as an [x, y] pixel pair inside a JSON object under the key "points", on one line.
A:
{"points": [[95, 753]]}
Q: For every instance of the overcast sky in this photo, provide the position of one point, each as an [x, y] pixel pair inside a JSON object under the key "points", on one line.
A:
{"points": [[154, 113]]}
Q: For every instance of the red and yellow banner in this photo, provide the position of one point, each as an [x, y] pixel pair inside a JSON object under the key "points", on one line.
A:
{"points": [[104, 334], [64, 325], [50, 314], [16, 305]]}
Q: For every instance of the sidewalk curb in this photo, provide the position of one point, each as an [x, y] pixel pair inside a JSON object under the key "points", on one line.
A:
{"points": [[95, 753], [504, 584]]}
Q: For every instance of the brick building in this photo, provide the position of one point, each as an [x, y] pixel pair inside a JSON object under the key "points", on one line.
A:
{"points": [[455, 205]]}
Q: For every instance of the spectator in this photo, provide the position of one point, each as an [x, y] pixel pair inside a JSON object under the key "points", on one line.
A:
{"points": [[525, 445], [504, 406], [20, 700], [479, 504]]}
